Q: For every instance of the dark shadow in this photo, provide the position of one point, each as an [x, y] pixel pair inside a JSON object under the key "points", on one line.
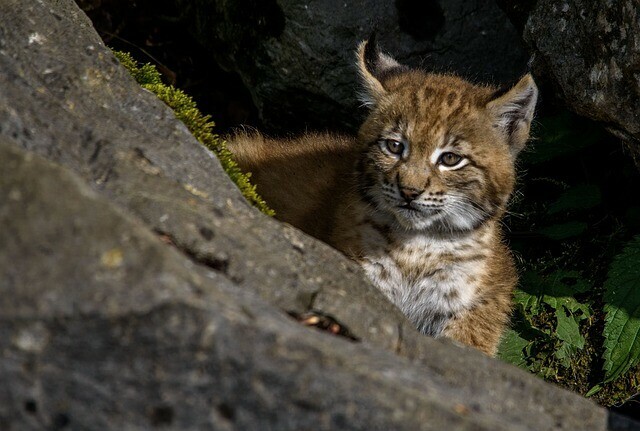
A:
{"points": [[618, 422], [421, 19], [154, 32]]}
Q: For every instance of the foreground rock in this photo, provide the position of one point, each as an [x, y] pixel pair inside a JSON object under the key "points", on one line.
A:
{"points": [[297, 57], [589, 51], [65, 97], [138, 290]]}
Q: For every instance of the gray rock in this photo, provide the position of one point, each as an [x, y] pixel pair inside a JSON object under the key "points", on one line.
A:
{"points": [[88, 114], [138, 290], [112, 329], [296, 57], [103, 326], [590, 52]]}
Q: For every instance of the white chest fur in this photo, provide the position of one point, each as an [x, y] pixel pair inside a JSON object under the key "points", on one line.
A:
{"points": [[429, 279]]}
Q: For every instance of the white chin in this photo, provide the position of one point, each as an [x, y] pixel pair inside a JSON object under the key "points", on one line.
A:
{"points": [[438, 221], [416, 220]]}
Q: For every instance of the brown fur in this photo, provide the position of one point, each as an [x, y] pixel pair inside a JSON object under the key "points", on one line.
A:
{"points": [[451, 275]]}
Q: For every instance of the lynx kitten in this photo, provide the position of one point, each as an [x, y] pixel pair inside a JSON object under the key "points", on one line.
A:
{"points": [[416, 199]]}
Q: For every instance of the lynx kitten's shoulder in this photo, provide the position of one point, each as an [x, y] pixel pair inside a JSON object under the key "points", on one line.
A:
{"points": [[416, 198]]}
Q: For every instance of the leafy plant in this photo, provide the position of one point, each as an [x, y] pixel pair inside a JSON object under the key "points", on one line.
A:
{"points": [[553, 297], [622, 306], [198, 124], [577, 317]]}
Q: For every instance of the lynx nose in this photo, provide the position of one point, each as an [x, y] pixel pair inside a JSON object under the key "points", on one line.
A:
{"points": [[410, 194]]}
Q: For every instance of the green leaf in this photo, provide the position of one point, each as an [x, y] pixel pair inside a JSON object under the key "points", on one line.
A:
{"points": [[564, 353], [566, 283], [570, 304], [594, 390], [564, 230], [529, 293], [528, 303], [622, 307], [548, 373], [580, 197], [568, 329], [512, 347], [560, 288], [555, 289]]}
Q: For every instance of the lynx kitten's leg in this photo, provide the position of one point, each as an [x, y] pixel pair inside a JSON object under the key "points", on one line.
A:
{"points": [[480, 327]]}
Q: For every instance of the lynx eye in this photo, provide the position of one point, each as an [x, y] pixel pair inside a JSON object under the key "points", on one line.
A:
{"points": [[450, 159], [394, 147]]}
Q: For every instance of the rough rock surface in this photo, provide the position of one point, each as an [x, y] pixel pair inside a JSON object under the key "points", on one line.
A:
{"points": [[296, 57], [138, 290], [590, 51], [86, 112]]}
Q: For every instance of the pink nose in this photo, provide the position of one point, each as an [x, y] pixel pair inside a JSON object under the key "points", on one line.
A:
{"points": [[410, 194]]}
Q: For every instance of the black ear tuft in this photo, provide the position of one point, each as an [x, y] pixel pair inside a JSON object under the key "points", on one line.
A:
{"points": [[371, 53], [374, 68]]}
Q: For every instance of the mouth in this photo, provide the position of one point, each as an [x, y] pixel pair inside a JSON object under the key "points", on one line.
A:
{"points": [[407, 206], [417, 210]]}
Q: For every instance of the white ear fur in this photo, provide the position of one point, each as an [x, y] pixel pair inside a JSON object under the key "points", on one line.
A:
{"points": [[372, 67], [513, 112]]}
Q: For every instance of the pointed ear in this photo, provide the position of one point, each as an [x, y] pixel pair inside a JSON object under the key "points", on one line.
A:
{"points": [[374, 67], [513, 112]]}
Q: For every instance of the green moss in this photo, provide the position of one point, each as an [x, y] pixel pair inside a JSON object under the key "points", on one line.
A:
{"points": [[201, 126]]}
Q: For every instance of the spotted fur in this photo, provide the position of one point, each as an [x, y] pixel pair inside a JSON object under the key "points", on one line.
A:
{"points": [[417, 197]]}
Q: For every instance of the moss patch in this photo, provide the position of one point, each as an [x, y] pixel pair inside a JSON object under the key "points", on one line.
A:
{"points": [[201, 126]]}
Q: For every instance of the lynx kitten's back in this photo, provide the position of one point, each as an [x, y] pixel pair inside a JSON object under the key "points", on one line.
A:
{"points": [[416, 198]]}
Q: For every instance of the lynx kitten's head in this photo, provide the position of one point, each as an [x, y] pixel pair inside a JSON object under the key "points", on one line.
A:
{"points": [[440, 151]]}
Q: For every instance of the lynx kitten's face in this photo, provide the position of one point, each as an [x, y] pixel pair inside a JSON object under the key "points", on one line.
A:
{"points": [[440, 151]]}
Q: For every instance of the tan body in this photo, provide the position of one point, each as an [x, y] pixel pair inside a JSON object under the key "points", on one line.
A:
{"points": [[314, 190], [416, 198], [299, 178]]}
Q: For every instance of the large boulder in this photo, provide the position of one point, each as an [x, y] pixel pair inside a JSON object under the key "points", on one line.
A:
{"points": [[590, 52], [82, 109], [139, 290], [296, 57], [103, 326]]}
